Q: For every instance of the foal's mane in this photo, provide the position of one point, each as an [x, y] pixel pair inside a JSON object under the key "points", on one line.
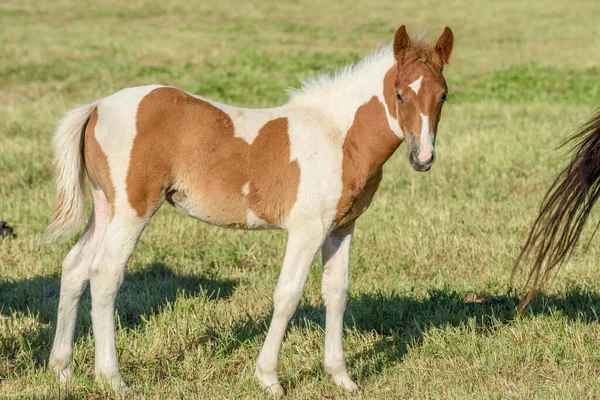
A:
{"points": [[378, 61]]}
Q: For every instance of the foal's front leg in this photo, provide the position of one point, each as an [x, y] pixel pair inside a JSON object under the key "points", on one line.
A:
{"points": [[303, 243], [336, 252]]}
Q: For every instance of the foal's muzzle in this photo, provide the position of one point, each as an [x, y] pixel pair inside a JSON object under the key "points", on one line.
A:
{"points": [[414, 156]]}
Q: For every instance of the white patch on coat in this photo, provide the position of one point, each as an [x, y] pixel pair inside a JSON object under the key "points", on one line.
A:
{"points": [[426, 146], [311, 145], [247, 122], [246, 189], [416, 85]]}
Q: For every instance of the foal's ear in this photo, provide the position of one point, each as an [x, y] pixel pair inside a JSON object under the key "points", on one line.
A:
{"points": [[444, 45], [401, 43]]}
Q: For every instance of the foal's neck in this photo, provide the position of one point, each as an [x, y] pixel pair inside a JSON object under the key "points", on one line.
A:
{"points": [[373, 134], [370, 141], [357, 100]]}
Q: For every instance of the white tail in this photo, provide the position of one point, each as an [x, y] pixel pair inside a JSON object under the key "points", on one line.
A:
{"points": [[69, 173]]}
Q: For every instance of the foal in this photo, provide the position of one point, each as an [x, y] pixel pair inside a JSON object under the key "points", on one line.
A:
{"points": [[310, 166]]}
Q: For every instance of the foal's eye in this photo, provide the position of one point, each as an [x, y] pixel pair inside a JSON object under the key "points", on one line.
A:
{"points": [[399, 98], [444, 97]]}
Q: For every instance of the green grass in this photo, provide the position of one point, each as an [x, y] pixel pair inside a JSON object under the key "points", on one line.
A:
{"points": [[196, 301]]}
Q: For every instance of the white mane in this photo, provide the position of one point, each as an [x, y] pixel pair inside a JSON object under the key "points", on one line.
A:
{"points": [[349, 77], [340, 93]]}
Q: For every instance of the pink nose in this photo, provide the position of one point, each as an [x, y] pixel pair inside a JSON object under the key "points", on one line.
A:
{"points": [[425, 155]]}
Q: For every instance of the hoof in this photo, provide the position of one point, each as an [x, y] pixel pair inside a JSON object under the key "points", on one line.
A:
{"points": [[270, 383], [346, 383], [64, 375], [114, 383], [343, 380], [61, 367], [274, 390]]}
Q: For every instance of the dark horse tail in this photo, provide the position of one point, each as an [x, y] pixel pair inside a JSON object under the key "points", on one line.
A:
{"points": [[565, 210]]}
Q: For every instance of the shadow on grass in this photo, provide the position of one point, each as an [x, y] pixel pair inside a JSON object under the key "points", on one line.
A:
{"points": [[401, 321], [143, 294]]}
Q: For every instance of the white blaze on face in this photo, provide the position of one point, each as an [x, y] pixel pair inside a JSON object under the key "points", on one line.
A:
{"points": [[416, 85], [426, 145]]}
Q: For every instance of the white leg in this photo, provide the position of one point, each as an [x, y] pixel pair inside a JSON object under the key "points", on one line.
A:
{"points": [[302, 245], [73, 281], [336, 252], [106, 276]]}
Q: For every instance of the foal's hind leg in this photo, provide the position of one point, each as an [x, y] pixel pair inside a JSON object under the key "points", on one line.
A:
{"points": [[336, 252], [73, 280], [106, 276], [303, 243]]}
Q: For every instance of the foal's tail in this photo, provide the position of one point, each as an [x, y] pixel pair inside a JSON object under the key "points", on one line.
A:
{"points": [[565, 209], [69, 174]]}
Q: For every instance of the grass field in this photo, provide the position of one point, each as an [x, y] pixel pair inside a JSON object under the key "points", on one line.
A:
{"points": [[196, 301]]}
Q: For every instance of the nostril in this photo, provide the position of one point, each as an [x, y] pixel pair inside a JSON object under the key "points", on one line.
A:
{"points": [[412, 157]]}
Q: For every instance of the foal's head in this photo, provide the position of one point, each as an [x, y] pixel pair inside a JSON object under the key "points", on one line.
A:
{"points": [[420, 91]]}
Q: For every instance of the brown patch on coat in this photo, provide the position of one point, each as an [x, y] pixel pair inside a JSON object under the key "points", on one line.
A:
{"points": [[96, 163], [368, 145], [270, 149], [389, 91], [185, 149]]}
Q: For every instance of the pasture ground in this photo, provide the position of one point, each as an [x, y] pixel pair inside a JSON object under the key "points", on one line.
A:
{"points": [[193, 311]]}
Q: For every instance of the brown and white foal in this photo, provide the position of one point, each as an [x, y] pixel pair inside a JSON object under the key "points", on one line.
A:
{"points": [[310, 166]]}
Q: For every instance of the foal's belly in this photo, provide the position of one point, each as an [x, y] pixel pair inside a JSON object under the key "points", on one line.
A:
{"points": [[233, 211]]}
